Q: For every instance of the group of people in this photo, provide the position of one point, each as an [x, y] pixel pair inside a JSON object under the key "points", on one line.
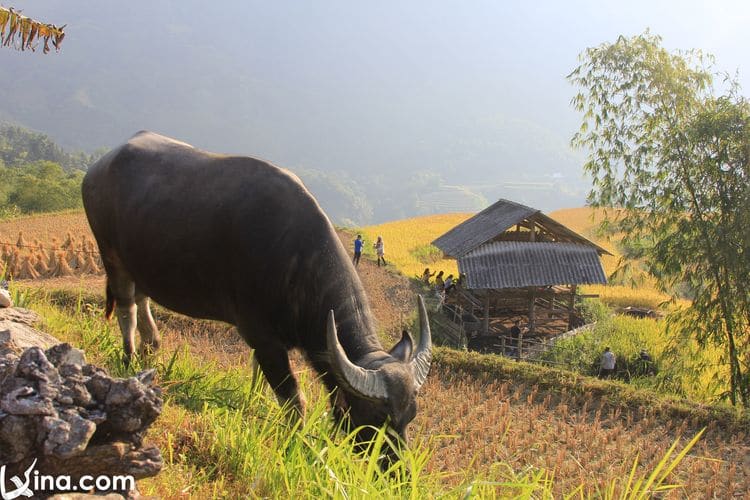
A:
{"points": [[379, 247], [441, 285], [608, 363]]}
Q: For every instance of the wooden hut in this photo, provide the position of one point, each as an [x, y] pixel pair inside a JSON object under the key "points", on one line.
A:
{"points": [[518, 264]]}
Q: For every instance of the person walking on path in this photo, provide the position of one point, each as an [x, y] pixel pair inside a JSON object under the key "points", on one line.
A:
{"points": [[358, 244], [380, 250], [607, 367]]}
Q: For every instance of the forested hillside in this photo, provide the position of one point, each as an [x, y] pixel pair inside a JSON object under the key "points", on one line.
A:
{"points": [[37, 175]]}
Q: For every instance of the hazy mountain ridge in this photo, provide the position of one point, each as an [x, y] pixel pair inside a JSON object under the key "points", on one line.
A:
{"points": [[322, 106]]}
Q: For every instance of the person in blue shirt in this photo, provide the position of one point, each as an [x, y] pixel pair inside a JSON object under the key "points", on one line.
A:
{"points": [[358, 244]]}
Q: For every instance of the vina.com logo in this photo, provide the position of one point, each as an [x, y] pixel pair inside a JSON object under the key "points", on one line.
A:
{"points": [[22, 487], [33, 481]]}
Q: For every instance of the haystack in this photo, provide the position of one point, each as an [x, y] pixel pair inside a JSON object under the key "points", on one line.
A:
{"points": [[26, 270], [21, 242], [41, 264], [69, 241], [89, 265], [72, 257], [42, 254], [52, 260], [61, 266], [13, 262], [5, 251]]}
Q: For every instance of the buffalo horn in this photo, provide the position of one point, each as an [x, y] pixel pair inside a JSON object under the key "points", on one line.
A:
{"points": [[367, 383], [420, 363]]}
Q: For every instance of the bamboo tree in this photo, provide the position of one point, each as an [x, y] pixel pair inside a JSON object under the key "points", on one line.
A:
{"points": [[663, 145]]}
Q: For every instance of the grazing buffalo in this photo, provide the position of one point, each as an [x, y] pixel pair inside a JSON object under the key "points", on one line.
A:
{"points": [[238, 240]]}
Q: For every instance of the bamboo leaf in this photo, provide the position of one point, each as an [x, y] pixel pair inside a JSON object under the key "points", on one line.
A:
{"points": [[21, 32]]}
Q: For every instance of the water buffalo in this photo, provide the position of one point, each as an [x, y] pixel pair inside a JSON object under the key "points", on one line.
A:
{"points": [[238, 240]]}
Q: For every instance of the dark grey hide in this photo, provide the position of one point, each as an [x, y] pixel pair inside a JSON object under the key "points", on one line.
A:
{"points": [[236, 239]]}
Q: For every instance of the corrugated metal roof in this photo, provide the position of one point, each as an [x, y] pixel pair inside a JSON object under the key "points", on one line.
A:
{"points": [[495, 220], [514, 264], [484, 226]]}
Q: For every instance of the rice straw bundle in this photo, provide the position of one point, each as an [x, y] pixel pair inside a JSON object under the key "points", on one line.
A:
{"points": [[61, 266], [26, 270], [71, 256], [41, 264], [89, 265], [21, 242], [68, 243]]}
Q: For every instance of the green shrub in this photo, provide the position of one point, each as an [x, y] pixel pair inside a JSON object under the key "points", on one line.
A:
{"points": [[594, 310], [625, 336], [427, 254]]}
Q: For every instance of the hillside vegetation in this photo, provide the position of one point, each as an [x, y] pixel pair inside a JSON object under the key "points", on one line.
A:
{"points": [[36, 175], [684, 368], [486, 425]]}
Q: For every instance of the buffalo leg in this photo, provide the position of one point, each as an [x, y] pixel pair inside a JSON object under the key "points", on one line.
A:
{"points": [[126, 318], [255, 369], [123, 291], [150, 337], [274, 362]]}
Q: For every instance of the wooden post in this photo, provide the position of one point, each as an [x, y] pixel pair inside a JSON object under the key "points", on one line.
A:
{"points": [[571, 306], [486, 320], [531, 325], [532, 231], [532, 310]]}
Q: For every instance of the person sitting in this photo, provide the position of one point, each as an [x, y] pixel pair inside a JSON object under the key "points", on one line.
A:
{"points": [[449, 284], [439, 283]]}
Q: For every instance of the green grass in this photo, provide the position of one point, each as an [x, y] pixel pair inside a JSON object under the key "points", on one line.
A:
{"points": [[615, 393], [223, 437]]}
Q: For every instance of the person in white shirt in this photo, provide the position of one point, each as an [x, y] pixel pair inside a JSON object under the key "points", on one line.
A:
{"points": [[607, 366], [380, 250]]}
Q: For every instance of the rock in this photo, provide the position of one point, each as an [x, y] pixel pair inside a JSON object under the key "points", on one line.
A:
{"points": [[65, 354], [25, 401], [72, 417], [17, 333], [5, 299], [66, 439], [19, 315], [16, 432]]}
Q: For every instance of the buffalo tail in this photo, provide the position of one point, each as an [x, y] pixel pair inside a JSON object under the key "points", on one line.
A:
{"points": [[110, 303]]}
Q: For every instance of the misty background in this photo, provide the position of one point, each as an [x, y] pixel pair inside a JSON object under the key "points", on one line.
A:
{"points": [[386, 110]]}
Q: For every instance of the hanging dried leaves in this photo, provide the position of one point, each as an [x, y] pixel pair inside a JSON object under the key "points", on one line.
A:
{"points": [[21, 32]]}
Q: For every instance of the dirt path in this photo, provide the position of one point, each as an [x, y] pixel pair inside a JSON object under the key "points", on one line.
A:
{"points": [[392, 298]]}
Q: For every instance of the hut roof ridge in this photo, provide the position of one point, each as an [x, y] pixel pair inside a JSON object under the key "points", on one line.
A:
{"points": [[495, 220]]}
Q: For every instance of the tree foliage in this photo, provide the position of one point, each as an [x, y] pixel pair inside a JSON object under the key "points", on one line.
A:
{"points": [[24, 33], [19, 146], [668, 146], [36, 175]]}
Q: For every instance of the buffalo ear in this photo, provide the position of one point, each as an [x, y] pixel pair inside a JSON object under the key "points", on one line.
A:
{"points": [[402, 351]]}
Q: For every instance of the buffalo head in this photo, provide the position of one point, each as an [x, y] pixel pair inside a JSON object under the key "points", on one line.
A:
{"points": [[382, 388]]}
